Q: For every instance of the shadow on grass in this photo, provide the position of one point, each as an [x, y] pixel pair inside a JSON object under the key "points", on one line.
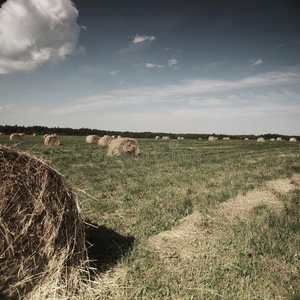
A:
{"points": [[105, 246]]}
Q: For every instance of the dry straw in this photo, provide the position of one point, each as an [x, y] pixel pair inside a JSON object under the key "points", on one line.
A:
{"points": [[226, 138], [279, 139], [272, 140], [52, 140], [105, 140], [166, 138], [261, 139], [15, 137], [45, 135], [211, 138], [92, 139], [123, 147], [246, 139], [292, 139], [42, 233], [157, 137]]}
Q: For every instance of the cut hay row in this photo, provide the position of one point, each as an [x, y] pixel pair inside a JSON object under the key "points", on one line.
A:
{"points": [[42, 233], [51, 140], [123, 147], [92, 139], [105, 140]]}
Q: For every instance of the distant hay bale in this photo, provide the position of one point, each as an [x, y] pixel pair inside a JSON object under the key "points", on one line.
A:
{"points": [[42, 235], [179, 138], [15, 137], [119, 136], [166, 138], [272, 140], [22, 135], [211, 138], [157, 137], [182, 138], [105, 140], [292, 139], [1, 133], [113, 136], [45, 135], [123, 147], [246, 139], [279, 139], [200, 138], [226, 138], [34, 134], [261, 139], [92, 139], [51, 140]]}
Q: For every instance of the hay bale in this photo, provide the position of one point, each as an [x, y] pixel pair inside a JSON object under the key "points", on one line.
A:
{"points": [[45, 135], [279, 139], [292, 139], [272, 140], [1, 133], [226, 138], [182, 138], [92, 139], [22, 135], [123, 147], [179, 138], [15, 137], [166, 138], [119, 136], [157, 137], [41, 228], [261, 140], [211, 138], [34, 134], [200, 138], [246, 139], [51, 140], [105, 140]]}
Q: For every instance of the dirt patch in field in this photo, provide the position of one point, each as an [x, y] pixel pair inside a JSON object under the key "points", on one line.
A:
{"points": [[198, 234]]}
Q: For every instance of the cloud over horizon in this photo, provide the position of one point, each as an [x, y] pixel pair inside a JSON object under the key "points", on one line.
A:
{"points": [[34, 32]]}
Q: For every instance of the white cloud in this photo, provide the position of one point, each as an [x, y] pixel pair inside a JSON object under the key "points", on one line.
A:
{"points": [[142, 38], [153, 66], [33, 32], [114, 72], [172, 63], [255, 64]]}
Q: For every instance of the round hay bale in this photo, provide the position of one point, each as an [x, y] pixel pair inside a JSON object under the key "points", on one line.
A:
{"points": [[51, 140], [15, 137], [246, 139], [261, 140], [157, 137], [200, 138], [92, 139], [22, 135], [279, 139], [166, 138], [226, 138], [105, 140], [293, 139], [211, 138], [45, 135], [272, 140], [41, 228], [123, 147], [1, 133], [34, 134], [119, 136], [179, 138], [182, 138]]}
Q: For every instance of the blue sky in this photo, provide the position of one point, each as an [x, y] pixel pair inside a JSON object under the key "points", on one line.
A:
{"points": [[162, 66]]}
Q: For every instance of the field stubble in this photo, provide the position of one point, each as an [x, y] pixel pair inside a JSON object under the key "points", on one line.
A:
{"points": [[139, 198]]}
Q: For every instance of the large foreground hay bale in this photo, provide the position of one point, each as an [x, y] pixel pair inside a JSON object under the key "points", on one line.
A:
{"points": [[41, 229], [292, 139], [105, 140], [261, 139], [52, 140], [211, 138], [123, 147], [92, 139], [15, 137]]}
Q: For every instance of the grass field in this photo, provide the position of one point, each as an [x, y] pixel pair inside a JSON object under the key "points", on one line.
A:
{"points": [[224, 252]]}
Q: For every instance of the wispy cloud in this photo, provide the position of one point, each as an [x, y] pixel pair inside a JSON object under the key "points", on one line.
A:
{"points": [[173, 63], [114, 72], [182, 92], [34, 32], [142, 38], [149, 65], [255, 64]]}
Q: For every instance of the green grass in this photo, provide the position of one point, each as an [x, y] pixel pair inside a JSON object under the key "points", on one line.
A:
{"points": [[256, 258]]}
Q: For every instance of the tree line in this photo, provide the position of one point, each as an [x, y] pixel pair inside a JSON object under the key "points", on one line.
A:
{"points": [[41, 130]]}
